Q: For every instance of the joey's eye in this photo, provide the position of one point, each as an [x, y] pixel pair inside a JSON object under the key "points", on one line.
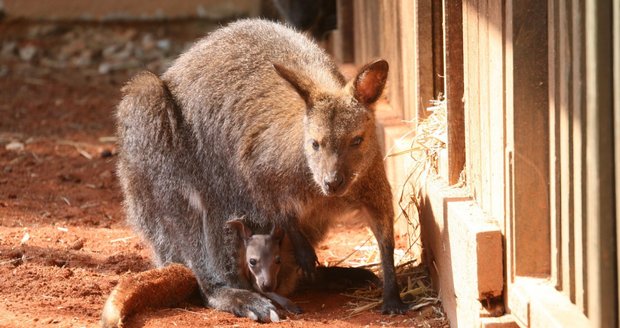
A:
{"points": [[315, 145], [357, 141], [278, 260], [252, 262]]}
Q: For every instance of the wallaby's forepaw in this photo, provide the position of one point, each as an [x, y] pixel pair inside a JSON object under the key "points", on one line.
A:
{"points": [[394, 306], [244, 303]]}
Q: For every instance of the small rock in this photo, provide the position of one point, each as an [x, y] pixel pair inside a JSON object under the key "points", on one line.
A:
{"points": [[14, 146], [105, 68], [77, 245], [164, 45], [105, 175], [8, 169], [4, 70], [69, 178], [27, 52]]}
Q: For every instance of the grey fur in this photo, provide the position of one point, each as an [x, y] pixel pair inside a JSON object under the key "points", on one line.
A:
{"points": [[228, 131]]}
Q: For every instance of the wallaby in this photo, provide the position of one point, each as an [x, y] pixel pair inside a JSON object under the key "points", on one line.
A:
{"points": [[261, 257], [253, 120]]}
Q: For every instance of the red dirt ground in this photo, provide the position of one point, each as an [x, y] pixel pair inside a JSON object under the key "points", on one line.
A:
{"points": [[63, 241]]}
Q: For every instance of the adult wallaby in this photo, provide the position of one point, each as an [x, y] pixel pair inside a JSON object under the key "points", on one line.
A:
{"points": [[265, 264], [253, 120]]}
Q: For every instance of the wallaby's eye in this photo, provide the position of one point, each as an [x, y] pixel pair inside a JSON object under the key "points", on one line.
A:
{"points": [[357, 141], [315, 145], [252, 262], [277, 260]]}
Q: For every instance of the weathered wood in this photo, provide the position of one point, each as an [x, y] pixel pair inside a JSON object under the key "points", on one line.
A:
{"points": [[496, 110], [485, 133], [437, 37], [578, 145], [453, 43], [408, 55], [600, 217], [472, 101], [424, 64], [616, 58], [531, 130], [566, 157], [554, 145]]}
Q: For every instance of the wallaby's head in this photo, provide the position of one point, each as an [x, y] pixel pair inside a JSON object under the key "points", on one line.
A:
{"points": [[262, 255], [339, 127]]}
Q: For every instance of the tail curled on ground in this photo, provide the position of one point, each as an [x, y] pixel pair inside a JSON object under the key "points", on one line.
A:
{"points": [[153, 288]]}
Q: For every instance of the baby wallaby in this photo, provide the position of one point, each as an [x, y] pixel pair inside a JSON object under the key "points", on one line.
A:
{"points": [[260, 261]]}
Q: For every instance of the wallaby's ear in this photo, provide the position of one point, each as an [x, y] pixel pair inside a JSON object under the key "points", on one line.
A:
{"points": [[370, 81], [243, 231], [302, 84], [277, 233]]}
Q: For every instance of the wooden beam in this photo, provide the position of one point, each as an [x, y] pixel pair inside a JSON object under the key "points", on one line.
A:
{"points": [[601, 237], [453, 44], [530, 183]]}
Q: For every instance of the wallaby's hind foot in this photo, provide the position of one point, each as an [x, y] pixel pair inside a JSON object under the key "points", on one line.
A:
{"points": [[153, 288], [243, 303]]}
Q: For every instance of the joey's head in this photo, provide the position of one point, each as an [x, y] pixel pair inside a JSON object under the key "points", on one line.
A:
{"points": [[262, 255], [339, 126]]}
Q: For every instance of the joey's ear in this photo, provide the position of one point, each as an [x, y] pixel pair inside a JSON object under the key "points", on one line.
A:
{"points": [[370, 81], [238, 225], [302, 84], [277, 233]]}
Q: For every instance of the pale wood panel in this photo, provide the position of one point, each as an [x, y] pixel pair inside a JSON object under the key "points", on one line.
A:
{"points": [[408, 55], [566, 159], [579, 296], [554, 145], [496, 109], [485, 132], [602, 267], [472, 99]]}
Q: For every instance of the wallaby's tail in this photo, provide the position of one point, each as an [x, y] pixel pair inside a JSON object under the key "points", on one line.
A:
{"points": [[153, 288]]}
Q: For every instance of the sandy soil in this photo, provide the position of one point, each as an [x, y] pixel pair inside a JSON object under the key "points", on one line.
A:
{"points": [[63, 241]]}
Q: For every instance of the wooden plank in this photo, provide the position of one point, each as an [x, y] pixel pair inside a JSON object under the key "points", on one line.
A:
{"points": [[616, 45], [531, 131], [344, 44], [438, 47], [408, 55], [472, 105], [485, 134], [578, 143], [566, 156], [496, 109], [424, 64], [554, 144], [602, 267], [453, 44]]}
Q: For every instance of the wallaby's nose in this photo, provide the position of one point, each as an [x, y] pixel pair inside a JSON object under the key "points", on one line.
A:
{"points": [[333, 181], [266, 287]]}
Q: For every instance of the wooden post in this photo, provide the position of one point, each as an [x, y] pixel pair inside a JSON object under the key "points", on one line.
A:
{"points": [[453, 45]]}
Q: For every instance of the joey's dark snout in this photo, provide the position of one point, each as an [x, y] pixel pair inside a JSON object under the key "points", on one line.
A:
{"points": [[333, 181]]}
